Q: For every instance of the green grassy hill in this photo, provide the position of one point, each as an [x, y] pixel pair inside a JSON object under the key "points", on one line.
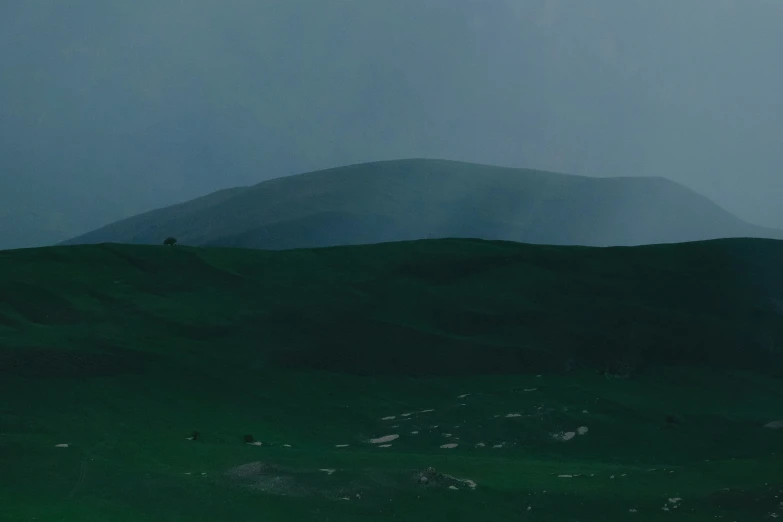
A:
{"points": [[419, 199], [552, 369]]}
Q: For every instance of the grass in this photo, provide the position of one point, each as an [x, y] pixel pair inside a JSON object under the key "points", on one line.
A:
{"points": [[123, 351]]}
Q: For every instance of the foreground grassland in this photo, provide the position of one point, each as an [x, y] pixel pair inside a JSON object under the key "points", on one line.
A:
{"points": [[466, 380]]}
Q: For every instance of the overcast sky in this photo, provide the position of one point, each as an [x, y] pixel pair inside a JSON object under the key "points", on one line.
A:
{"points": [[110, 108]]}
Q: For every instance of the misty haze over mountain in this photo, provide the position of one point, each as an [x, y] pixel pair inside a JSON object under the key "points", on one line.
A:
{"points": [[108, 109], [406, 200]]}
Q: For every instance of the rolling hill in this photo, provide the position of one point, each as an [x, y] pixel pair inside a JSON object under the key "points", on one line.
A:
{"points": [[419, 199], [465, 379]]}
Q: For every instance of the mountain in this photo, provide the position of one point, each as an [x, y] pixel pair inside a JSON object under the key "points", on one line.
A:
{"points": [[418, 199], [462, 378]]}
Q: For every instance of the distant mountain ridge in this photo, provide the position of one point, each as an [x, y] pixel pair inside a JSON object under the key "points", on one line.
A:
{"points": [[421, 198]]}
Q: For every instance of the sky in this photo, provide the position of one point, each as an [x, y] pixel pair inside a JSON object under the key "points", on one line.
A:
{"points": [[108, 109]]}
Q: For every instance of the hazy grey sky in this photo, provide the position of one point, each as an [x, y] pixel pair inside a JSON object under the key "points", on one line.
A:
{"points": [[111, 108]]}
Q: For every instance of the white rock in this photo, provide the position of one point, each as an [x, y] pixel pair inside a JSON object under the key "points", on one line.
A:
{"points": [[384, 439]]}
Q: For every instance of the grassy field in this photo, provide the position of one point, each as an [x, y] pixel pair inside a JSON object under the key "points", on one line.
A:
{"points": [[577, 384]]}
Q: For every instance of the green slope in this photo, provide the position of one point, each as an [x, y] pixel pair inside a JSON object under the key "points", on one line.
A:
{"points": [[122, 351], [419, 199]]}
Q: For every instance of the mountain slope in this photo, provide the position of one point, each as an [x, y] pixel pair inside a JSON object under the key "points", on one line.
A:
{"points": [[485, 364], [417, 199], [495, 306]]}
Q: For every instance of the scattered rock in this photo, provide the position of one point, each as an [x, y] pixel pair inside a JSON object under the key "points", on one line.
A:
{"points": [[582, 430], [564, 436]]}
